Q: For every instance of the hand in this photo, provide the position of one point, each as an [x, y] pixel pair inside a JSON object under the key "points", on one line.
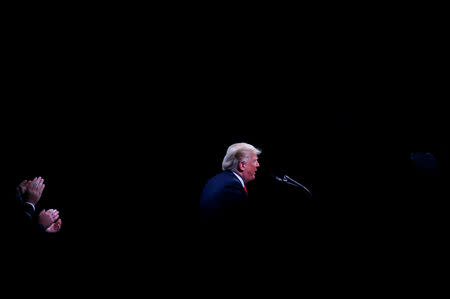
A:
{"points": [[23, 186], [47, 218], [54, 227], [35, 188]]}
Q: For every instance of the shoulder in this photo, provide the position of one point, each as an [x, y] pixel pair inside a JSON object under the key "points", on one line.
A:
{"points": [[220, 183], [225, 177]]}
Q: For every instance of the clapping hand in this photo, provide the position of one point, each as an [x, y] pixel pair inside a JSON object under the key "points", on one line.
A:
{"points": [[34, 189]]}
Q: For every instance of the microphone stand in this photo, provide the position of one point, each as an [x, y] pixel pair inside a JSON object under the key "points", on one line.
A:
{"points": [[292, 182]]}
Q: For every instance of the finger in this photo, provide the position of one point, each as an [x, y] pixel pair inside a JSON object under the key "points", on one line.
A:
{"points": [[24, 185], [39, 181], [41, 189], [32, 185], [35, 182]]}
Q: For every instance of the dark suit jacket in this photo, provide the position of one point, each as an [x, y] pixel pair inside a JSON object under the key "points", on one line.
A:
{"points": [[224, 206], [23, 222]]}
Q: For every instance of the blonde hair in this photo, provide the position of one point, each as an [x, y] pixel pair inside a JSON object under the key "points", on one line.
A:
{"points": [[238, 152]]}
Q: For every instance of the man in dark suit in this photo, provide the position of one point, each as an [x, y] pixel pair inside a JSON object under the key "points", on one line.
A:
{"points": [[224, 200]]}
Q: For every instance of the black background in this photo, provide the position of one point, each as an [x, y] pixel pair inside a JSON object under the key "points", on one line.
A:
{"points": [[126, 128]]}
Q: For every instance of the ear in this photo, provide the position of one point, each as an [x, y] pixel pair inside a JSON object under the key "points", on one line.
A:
{"points": [[241, 166]]}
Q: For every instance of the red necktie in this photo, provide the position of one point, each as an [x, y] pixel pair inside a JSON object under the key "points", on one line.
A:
{"points": [[245, 188]]}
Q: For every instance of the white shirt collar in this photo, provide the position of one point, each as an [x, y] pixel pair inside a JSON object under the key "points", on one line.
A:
{"points": [[239, 177]]}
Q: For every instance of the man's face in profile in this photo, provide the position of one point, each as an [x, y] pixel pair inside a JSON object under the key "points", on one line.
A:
{"points": [[250, 168]]}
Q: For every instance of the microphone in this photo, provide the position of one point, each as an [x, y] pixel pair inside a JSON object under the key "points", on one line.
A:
{"points": [[286, 178], [292, 182], [275, 177]]}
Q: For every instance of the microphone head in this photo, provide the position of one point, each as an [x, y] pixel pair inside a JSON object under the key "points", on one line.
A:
{"points": [[275, 177]]}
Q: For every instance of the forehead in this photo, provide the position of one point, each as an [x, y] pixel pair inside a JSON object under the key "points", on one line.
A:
{"points": [[253, 157]]}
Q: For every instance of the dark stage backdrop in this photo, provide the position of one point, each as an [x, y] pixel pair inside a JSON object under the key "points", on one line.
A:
{"points": [[126, 124], [128, 188], [94, 160], [125, 155]]}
